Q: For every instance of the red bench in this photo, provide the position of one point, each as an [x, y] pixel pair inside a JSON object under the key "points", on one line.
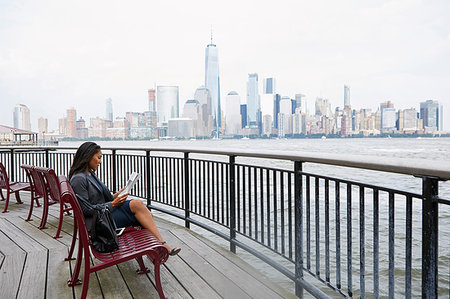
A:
{"points": [[10, 187], [35, 195], [134, 243]]}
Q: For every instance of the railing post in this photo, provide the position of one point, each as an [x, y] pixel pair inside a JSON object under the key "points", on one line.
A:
{"points": [[47, 162], [298, 212], [114, 171], [430, 215], [232, 204], [11, 167], [149, 177], [187, 197]]}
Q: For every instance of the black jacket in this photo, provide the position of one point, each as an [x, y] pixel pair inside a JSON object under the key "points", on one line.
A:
{"points": [[85, 187]]}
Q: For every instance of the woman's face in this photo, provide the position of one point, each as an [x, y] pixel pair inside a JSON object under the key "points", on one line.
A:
{"points": [[95, 161]]}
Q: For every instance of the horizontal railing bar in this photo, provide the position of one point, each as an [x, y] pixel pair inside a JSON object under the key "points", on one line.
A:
{"points": [[370, 186], [440, 169]]}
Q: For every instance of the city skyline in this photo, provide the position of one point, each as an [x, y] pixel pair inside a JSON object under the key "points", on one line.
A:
{"points": [[386, 50]]}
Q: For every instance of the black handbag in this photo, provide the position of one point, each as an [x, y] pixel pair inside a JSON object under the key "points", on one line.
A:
{"points": [[103, 233]]}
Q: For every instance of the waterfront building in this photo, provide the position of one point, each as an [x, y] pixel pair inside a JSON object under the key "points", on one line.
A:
{"points": [[191, 110], [212, 81], [203, 96], [267, 125], [299, 122], [378, 120], [253, 101], [181, 128], [285, 105], [388, 120], [150, 119], [167, 102], [109, 109], [409, 120], [323, 107], [233, 115], [62, 126], [21, 117], [120, 129], [135, 119], [346, 96], [356, 120], [71, 127], [431, 113], [346, 122], [276, 109], [42, 127], [98, 126], [82, 131], [152, 100], [269, 86], [300, 102], [244, 115]]}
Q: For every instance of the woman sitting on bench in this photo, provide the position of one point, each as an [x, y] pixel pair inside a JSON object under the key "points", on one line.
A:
{"points": [[86, 185]]}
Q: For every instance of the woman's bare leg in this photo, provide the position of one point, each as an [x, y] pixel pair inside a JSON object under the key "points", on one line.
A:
{"points": [[145, 218]]}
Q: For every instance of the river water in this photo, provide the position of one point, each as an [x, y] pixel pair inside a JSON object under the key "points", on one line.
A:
{"points": [[437, 149]]}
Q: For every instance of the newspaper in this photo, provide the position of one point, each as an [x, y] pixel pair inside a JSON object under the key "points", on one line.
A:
{"points": [[130, 183]]}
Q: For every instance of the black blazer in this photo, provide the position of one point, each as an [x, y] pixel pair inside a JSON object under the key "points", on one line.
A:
{"points": [[84, 186]]}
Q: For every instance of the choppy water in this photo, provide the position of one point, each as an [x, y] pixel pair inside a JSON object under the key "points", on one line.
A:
{"points": [[424, 149]]}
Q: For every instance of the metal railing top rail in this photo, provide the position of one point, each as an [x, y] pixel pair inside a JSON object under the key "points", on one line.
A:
{"points": [[431, 168]]}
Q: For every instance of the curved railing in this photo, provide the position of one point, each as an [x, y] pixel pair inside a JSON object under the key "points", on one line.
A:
{"points": [[327, 234]]}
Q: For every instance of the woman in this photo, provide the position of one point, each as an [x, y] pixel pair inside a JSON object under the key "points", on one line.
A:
{"points": [[86, 185]]}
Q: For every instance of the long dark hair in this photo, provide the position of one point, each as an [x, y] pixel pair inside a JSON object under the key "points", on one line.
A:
{"points": [[82, 157]]}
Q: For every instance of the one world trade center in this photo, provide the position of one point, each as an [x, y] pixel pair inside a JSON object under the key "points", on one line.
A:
{"points": [[212, 82]]}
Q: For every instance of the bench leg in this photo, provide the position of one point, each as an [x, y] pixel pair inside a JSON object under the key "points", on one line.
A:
{"points": [[18, 197], [34, 198], [74, 239], [6, 202], [61, 214], [1, 193], [76, 270], [158, 281], [86, 277], [143, 269], [44, 215]]}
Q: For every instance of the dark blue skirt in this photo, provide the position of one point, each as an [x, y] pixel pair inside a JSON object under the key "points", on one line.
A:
{"points": [[123, 217]]}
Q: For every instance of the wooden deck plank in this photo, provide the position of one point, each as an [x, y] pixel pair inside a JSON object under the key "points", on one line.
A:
{"points": [[112, 284], [12, 267], [222, 284], [33, 280], [169, 284], [236, 274], [184, 272], [141, 287], [58, 272]]}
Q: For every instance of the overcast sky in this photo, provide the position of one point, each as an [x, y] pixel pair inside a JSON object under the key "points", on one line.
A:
{"points": [[60, 54]]}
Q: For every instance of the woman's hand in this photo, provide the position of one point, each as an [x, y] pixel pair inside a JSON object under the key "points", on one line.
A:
{"points": [[119, 200], [118, 192]]}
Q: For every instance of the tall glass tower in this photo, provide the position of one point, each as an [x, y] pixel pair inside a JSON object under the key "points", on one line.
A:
{"points": [[109, 109], [167, 101], [253, 101], [346, 96], [212, 81]]}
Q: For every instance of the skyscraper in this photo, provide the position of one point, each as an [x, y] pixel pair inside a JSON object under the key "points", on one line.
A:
{"points": [[253, 101], [233, 113], [346, 96], [269, 86], [152, 100], [109, 109], [167, 103], [21, 117], [42, 127], [431, 113], [212, 81], [71, 128]]}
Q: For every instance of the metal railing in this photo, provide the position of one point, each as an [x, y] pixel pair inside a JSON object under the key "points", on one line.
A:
{"points": [[320, 231]]}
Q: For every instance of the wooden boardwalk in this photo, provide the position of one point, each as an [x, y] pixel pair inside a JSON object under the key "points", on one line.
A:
{"points": [[32, 265]]}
